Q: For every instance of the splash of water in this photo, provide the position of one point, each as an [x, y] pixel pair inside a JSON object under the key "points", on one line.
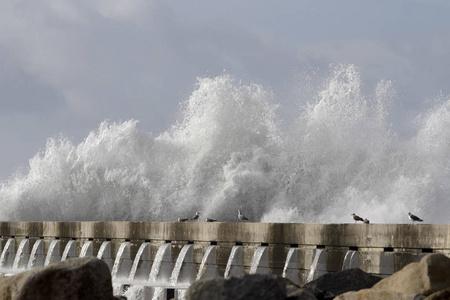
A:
{"points": [[87, 249], [208, 266], [260, 261], [318, 262], [141, 264], [8, 254], [184, 266], [228, 151], [122, 263], [22, 255], [290, 269], [235, 264], [37, 256], [53, 252], [350, 260], [161, 264]]}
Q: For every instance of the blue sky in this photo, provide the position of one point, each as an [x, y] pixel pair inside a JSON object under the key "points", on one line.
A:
{"points": [[65, 66]]}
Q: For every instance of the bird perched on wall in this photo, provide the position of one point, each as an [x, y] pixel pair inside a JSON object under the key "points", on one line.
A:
{"points": [[414, 218], [241, 216], [210, 220], [366, 221], [182, 220], [357, 218], [197, 214]]}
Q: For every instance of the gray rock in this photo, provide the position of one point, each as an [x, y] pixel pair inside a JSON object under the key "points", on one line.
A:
{"points": [[249, 287], [330, 285], [440, 295], [302, 294], [73, 279]]}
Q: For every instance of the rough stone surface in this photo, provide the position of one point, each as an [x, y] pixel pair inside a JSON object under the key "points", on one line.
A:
{"points": [[373, 294], [330, 285], [430, 275], [441, 295], [302, 294], [73, 279], [249, 287]]}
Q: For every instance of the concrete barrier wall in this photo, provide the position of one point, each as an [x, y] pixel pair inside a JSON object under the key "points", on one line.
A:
{"points": [[381, 248]]}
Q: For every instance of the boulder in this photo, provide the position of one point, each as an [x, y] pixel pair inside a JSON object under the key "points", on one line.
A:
{"points": [[248, 287], [373, 294], [441, 295], [430, 275], [330, 285], [72, 279], [302, 294]]}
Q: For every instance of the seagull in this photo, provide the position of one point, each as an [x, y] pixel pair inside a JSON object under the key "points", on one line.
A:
{"points": [[197, 214], [182, 220], [414, 218], [366, 221], [241, 216], [357, 218], [210, 220]]}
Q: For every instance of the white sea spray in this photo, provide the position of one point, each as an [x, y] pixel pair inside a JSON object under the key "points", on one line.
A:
{"points": [[228, 151]]}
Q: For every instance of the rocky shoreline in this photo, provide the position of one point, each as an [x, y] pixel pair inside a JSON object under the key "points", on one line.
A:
{"points": [[90, 278], [428, 279]]}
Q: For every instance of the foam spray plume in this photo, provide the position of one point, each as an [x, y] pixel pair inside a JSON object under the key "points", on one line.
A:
{"points": [[228, 151]]}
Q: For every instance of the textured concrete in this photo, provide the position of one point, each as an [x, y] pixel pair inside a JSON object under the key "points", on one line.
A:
{"points": [[357, 235], [382, 248]]}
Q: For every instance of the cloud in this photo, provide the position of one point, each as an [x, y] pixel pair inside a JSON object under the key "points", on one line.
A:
{"points": [[121, 9], [78, 49]]}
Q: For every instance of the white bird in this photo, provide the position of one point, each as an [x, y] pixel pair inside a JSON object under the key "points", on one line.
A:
{"points": [[241, 216], [357, 218], [197, 214], [366, 221], [182, 220], [414, 218]]}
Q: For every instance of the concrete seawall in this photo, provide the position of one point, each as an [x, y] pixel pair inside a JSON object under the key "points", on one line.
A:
{"points": [[292, 250]]}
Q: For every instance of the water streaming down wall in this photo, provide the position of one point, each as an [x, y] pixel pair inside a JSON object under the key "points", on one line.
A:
{"points": [[162, 264], [351, 260], [122, 264], [87, 249], [235, 264], [184, 270], [208, 267], [291, 270], [260, 261], [104, 253], [121, 268], [13, 261], [37, 256], [8, 255], [69, 250], [22, 256], [140, 271], [123, 273], [318, 266], [53, 253], [159, 274]]}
